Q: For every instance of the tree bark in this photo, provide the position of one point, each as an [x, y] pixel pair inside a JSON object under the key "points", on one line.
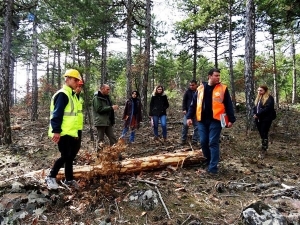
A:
{"points": [[276, 94], [5, 72], [249, 40], [294, 91], [216, 42], [104, 77], [34, 98], [147, 57], [232, 86], [129, 55]]}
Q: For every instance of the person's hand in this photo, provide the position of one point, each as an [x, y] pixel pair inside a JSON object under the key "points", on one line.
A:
{"points": [[189, 122], [229, 124], [255, 116], [184, 112], [151, 121], [56, 137], [115, 107], [126, 117]]}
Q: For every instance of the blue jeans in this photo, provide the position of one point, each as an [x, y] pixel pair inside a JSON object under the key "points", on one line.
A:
{"points": [[132, 134], [209, 132], [163, 121], [185, 130]]}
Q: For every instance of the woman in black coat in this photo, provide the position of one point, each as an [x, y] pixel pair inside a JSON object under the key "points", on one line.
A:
{"points": [[132, 115], [158, 111], [264, 113]]}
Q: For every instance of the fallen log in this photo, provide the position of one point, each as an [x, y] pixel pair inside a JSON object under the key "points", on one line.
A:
{"points": [[128, 166], [135, 165]]}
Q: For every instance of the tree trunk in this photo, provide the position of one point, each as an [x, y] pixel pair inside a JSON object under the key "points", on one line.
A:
{"points": [[86, 92], [294, 91], [73, 41], [129, 166], [59, 75], [216, 45], [11, 81], [232, 86], [28, 68], [249, 40], [195, 48], [34, 97], [276, 95], [147, 57], [103, 60], [5, 72], [53, 69], [129, 56]]}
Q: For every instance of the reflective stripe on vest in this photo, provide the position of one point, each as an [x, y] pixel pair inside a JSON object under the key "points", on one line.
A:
{"points": [[79, 103], [69, 122], [218, 107]]}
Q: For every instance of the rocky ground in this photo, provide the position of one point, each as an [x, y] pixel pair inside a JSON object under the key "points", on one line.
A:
{"points": [[171, 195]]}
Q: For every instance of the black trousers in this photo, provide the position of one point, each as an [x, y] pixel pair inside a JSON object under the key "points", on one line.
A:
{"points": [[263, 128], [78, 144], [67, 146]]}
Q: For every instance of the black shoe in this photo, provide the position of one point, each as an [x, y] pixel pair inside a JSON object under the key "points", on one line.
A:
{"points": [[72, 183]]}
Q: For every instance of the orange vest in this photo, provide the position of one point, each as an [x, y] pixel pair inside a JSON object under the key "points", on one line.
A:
{"points": [[218, 107]]}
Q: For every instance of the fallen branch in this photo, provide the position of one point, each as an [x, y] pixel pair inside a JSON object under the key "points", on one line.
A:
{"points": [[147, 181], [186, 220], [162, 202]]}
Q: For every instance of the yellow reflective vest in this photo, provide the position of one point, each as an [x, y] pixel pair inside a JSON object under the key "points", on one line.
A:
{"points": [[80, 112], [69, 124]]}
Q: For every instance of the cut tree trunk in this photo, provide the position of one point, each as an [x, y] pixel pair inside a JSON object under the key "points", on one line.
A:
{"points": [[128, 166]]}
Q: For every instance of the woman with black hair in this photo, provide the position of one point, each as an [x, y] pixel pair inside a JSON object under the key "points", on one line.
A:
{"points": [[132, 116]]}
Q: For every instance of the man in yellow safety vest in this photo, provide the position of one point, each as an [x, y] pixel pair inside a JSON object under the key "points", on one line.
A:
{"points": [[63, 128]]}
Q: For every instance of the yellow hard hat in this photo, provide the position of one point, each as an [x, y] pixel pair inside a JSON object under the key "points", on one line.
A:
{"points": [[72, 73]]}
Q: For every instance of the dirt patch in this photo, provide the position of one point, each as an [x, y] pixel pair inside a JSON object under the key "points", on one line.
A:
{"points": [[173, 195]]}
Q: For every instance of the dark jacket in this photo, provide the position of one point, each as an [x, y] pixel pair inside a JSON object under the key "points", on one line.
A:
{"points": [[208, 110], [265, 112], [158, 105], [187, 99], [102, 110], [131, 110]]}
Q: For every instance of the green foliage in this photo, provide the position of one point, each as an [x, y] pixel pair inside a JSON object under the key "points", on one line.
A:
{"points": [[119, 90], [164, 68], [184, 66]]}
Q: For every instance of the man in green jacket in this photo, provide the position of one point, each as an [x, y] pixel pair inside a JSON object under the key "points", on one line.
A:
{"points": [[104, 117]]}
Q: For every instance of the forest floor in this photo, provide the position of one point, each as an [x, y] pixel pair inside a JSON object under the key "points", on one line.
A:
{"points": [[179, 196]]}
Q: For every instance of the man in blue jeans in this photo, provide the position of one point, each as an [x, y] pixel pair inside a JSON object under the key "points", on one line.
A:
{"points": [[187, 99], [213, 108]]}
